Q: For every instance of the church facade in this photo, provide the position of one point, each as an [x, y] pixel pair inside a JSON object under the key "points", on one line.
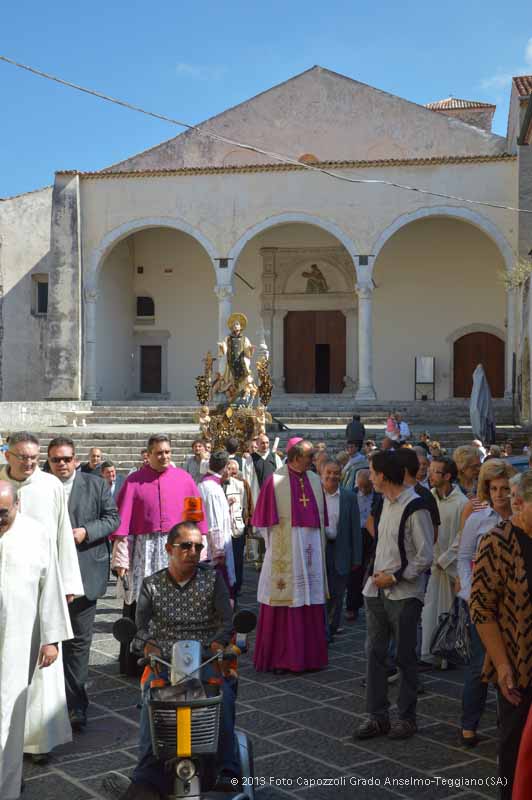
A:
{"points": [[116, 283]]}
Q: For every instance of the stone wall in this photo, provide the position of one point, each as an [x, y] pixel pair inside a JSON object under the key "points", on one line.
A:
{"points": [[25, 251], [327, 115], [478, 117]]}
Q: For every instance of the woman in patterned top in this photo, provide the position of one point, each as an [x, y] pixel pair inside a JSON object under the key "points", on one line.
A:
{"points": [[501, 610]]}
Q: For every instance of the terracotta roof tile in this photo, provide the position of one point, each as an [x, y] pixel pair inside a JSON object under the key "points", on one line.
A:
{"points": [[453, 103], [388, 162], [523, 84]]}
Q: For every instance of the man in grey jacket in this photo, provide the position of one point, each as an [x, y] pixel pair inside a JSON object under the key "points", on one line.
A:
{"points": [[94, 516], [344, 550]]}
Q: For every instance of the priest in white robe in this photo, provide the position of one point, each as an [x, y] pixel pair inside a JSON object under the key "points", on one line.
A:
{"points": [[292, 516], [440, 590], [33, 620], [42, 497], [218, 518]]}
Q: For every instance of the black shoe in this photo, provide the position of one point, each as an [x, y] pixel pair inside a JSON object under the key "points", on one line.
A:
{"points": [[468, 741], [40, 758], [424, 666], [78, 719], [372, 728]]}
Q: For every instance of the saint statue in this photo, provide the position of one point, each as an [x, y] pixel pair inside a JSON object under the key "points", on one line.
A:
{"points": [[234, 358], [316, 283]]}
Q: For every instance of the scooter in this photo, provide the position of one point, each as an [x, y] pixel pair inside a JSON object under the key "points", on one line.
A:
{"points": [[185, 712]]}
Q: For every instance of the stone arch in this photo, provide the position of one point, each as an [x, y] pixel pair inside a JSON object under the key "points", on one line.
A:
{"points": [[159, 334], [455, 212], [283, 219], [99, 253]]}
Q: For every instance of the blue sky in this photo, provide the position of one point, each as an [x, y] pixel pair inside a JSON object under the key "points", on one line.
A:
{"points": [[193, 60]]}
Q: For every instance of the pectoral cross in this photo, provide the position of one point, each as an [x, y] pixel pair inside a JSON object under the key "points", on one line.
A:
{"points": [[303, 499]]}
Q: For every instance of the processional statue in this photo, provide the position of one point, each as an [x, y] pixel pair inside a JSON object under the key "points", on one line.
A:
{"points": [[240, 404], [235, 352]]}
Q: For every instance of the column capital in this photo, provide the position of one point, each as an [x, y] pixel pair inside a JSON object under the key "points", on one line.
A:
{"points": [[364, 267], [365, 290], [90, 294], [223, 291]]}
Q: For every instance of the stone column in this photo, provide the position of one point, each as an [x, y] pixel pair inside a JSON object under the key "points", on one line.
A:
{"points": [[364, 287], [90, 298], [63, 363], [510, 340], [350, 378], [365, 391], [277, 354], [224, 293]]}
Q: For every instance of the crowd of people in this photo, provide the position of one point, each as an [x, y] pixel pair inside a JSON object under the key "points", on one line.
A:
{"points": [[402, 532]]}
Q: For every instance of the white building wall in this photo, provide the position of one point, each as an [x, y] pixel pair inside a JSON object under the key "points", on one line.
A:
{"points": [[24, 250]]}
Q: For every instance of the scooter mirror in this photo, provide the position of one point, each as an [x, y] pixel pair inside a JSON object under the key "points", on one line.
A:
{"points": [[124, 630], [244, 621]]}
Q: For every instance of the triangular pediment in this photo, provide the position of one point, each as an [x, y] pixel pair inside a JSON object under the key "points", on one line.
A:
{"points": [[324, 115]]}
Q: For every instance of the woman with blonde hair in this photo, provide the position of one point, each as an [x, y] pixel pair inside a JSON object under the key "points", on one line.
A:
{"points": [[493, 488], [468, 461]]}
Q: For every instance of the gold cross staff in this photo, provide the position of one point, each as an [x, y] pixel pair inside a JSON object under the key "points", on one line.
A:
{"points": [[303, 499]]}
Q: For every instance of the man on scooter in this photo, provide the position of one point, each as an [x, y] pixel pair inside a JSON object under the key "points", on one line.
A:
{"points": [[187, 600]]}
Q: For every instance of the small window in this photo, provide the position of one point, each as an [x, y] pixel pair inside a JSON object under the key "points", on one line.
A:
{"points": [[39, 295], [145, 310]]}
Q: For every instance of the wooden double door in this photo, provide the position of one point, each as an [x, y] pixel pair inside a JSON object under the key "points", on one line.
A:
{"points": [[474, 349], [314, 352]]}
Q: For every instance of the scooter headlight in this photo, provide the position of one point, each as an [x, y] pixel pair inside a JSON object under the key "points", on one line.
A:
{"points": [[185, 769]]}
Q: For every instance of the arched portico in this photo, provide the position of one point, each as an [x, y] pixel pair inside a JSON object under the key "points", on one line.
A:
{"points": [[155, 257], [453, 212], [437, 274], [484, 224], [276, 256], [283, 219]]}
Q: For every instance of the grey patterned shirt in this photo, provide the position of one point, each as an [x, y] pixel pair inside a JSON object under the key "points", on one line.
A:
{"points": [[200, 609]]}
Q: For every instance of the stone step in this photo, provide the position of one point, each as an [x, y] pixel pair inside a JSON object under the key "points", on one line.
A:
{"points": [[126, 455]]}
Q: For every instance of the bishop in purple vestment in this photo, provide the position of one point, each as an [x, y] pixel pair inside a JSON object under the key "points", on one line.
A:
{"points": [[291, 514]]}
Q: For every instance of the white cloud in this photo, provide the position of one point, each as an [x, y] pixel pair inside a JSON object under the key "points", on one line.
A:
{"points": [[200, 72], [528, 52], [503, 77]]}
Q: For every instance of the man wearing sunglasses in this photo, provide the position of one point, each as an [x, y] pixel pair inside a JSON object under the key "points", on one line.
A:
{"points": [[187, 600], [94, 517], [41, 496]]}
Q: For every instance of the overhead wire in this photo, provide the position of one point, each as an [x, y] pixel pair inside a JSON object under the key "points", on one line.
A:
{"points": [[205, 131]]}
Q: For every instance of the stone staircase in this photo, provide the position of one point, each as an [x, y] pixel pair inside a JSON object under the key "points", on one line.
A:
{"points": [[122, 429]]}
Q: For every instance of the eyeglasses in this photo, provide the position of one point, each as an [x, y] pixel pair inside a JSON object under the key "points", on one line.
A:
{"points": [[188, 546], [25, 459], [59, 459]]}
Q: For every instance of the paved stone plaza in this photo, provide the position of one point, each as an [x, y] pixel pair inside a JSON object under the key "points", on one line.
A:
{"points": [[301, 728]]}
